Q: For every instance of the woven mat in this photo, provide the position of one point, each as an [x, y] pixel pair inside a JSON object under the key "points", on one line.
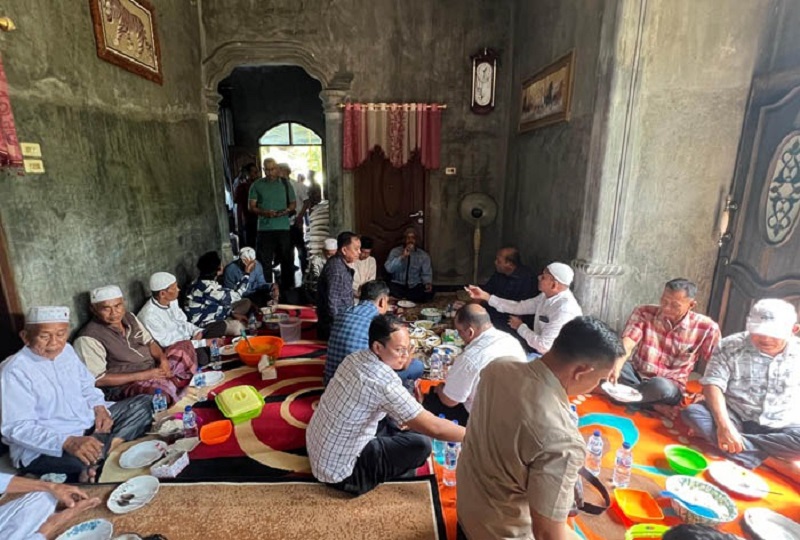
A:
{"points": [[398, 510]]}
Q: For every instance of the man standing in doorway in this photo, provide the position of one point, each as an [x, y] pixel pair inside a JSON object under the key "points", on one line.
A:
{"points": [[273, 200]]}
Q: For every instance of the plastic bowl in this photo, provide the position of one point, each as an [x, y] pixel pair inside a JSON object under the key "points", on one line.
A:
{"points": [[269, 345], [700, 492], [638, 506], [684, 460], [216, 432], [431, 314]]}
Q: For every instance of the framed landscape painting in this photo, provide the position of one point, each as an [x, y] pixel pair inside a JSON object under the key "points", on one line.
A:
{"points": [[547, 95], [126, 35]]}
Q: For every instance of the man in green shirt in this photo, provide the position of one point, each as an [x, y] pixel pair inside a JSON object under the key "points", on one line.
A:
{"points": [[272, 199]]}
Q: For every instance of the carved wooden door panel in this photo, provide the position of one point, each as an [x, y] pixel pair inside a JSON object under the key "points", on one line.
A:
{"points": [[760, 255], [385, 198]]}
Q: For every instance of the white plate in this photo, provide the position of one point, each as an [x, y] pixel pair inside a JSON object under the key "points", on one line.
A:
{"points": [[128, 536], [406, 304], [143, 489], [418, 333], [737, 479], [96, 529], [452, 350], [768, 525], [142, 454], [228, 350], [621, 392], [211, 378], [433, 341]]}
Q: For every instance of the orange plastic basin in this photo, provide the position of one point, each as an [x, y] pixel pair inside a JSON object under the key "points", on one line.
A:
{"points": [[638, 506], [269, 345], [216, 432]]}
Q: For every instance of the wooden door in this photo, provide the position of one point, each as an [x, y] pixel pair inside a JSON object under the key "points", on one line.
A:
{"points": [[11, 317], [385, 198], [760, 255]]}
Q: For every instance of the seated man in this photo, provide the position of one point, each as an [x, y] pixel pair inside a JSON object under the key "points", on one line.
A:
{"points": [[315, 265], [484, 343], [124, 358], [522, 453], [258, 290], [664, 343], [365, 267], [410, 269], [511, 281], [752, 391], [554, 307], [167, 323], [207, 301], [34, 516], [53, 418], [350, 332], [335, 290], [345, 448]]}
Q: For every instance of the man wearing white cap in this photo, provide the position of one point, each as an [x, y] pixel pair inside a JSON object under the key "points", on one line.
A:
{"points": [[167, 323], [124, 357], [54, 419], [315, 265], [552, 308], [752, 391], [258, 290]]}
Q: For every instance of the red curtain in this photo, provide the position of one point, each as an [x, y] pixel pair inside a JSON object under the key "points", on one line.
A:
{"points": [[10, 152], [399, 129]]}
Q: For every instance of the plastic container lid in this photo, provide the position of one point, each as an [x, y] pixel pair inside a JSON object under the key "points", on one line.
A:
{"points": [[597, 434], [188, 408], [239, 400], [626, 445]]}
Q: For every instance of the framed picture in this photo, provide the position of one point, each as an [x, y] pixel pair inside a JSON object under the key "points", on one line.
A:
{"points": [[126, 35], [546, 96]]}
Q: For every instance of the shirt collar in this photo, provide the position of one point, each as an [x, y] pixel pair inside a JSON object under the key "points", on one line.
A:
{"points": [[159, 306], [550, 379]]}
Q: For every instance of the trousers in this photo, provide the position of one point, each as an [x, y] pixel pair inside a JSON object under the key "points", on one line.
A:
{"points": [[655, 390]]}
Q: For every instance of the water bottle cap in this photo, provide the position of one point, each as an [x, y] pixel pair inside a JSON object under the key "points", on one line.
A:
{"points": [[455, 422], [626, 445], [441, 415], [158, 391], [596, 433], [188, 408]]}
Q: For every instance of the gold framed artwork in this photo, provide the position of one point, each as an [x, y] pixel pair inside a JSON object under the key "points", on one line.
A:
{"points": [[126, 35], [547, 96]]}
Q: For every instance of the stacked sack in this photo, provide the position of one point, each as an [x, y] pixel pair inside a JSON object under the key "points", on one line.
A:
{"points": [[319, 228]]}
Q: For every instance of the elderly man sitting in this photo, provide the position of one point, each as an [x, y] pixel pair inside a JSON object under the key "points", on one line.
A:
{"points": [[258, 290], [752, 391], [167, 323], [52, 416], [484, 343], [365, 267], [207, 301], [410, 270], [124, 358], [315, 265]]}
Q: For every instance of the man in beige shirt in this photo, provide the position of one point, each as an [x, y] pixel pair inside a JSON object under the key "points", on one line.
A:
{"points": [[522, 452]]}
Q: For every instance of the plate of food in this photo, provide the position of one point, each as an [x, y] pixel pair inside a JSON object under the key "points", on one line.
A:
{"points": [[738, 480], [142, 454], [406, 304], [768, 525], [452, 350], [418, 333], [95, 529], [133, 494], [426, 324], [228, 350], [433, 341], [621, 392]]}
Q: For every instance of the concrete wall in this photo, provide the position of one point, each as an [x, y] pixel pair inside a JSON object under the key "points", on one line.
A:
{"points": [[127, 190], [400, 51]]}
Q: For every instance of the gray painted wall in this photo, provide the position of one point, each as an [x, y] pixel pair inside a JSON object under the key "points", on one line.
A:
{"points": [[127, 190], [404, 51]]}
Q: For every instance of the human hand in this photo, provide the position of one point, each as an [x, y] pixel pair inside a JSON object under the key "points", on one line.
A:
{"points": [[87, 449], [163, 366], [58, 521], [249, 265], [514, 322], [102, 420], [476, 293], [729, 439], [428, 287], [198, 336], [407, 251], [613, 376], [67, 495]]}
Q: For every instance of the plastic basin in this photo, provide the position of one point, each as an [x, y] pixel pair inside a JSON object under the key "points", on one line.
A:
{"points": [[637, 505], [290, 329], [684, 460], [269, 345], [216, 432]]}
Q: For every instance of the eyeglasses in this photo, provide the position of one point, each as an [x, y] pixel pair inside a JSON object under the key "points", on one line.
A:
{"points": [[403, 351]]}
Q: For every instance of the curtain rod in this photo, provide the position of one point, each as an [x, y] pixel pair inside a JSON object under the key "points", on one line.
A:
{"points": [[387, 105]]}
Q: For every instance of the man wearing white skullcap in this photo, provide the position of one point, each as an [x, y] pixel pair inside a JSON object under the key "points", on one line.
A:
{"points": [[315, 265], [54, 419], [552, 308], [258, 290], [663, 343], [752, 389], [124, 357]]}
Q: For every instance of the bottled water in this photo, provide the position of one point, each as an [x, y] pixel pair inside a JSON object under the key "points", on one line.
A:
{"points": [[436, 365], [450, 463], [439, 447], [622, 466], [594, 453], [252, 324], [200, 383], [159, 402], [189, 422], [216, 361]]}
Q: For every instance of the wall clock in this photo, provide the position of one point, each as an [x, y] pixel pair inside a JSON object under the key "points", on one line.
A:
{"points": [[484, 79]]}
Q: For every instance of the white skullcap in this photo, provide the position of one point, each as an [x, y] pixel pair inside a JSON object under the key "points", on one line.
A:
{"points": [[161, 280], [331, 244], [247, 253], [772, 317], [101, 294], [562, 272], [47, 314]]}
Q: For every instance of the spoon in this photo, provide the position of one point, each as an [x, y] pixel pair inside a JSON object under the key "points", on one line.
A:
{"points": [[702, 511], [248, 341]]}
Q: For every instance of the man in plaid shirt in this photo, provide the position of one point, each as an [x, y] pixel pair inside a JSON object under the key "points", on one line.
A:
{"points": [[664, 343], [335, 286]]}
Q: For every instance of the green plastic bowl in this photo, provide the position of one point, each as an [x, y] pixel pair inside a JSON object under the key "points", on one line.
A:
{"points": [[684, 460]]}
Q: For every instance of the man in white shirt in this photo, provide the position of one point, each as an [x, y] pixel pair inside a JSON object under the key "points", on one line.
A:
{"points": [[365, 267], [345, 446], [554, 307], [484, 343]]}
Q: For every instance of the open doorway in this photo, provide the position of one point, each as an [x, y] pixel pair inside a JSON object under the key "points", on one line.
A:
{"points": [[299, 147]]}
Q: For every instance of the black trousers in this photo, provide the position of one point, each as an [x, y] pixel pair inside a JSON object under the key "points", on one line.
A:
{"points": [[276, 244], [212, 330], [415, 294], [299, 242], [432, 403]]}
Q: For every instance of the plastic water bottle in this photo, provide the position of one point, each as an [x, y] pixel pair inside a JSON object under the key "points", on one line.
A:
{"points": [[216, 361], [189, 422], [439, 447], [450, 463], [594, 453], [436, 365], [622, 466], [252, 324], [200, 383], [159, 402]]}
